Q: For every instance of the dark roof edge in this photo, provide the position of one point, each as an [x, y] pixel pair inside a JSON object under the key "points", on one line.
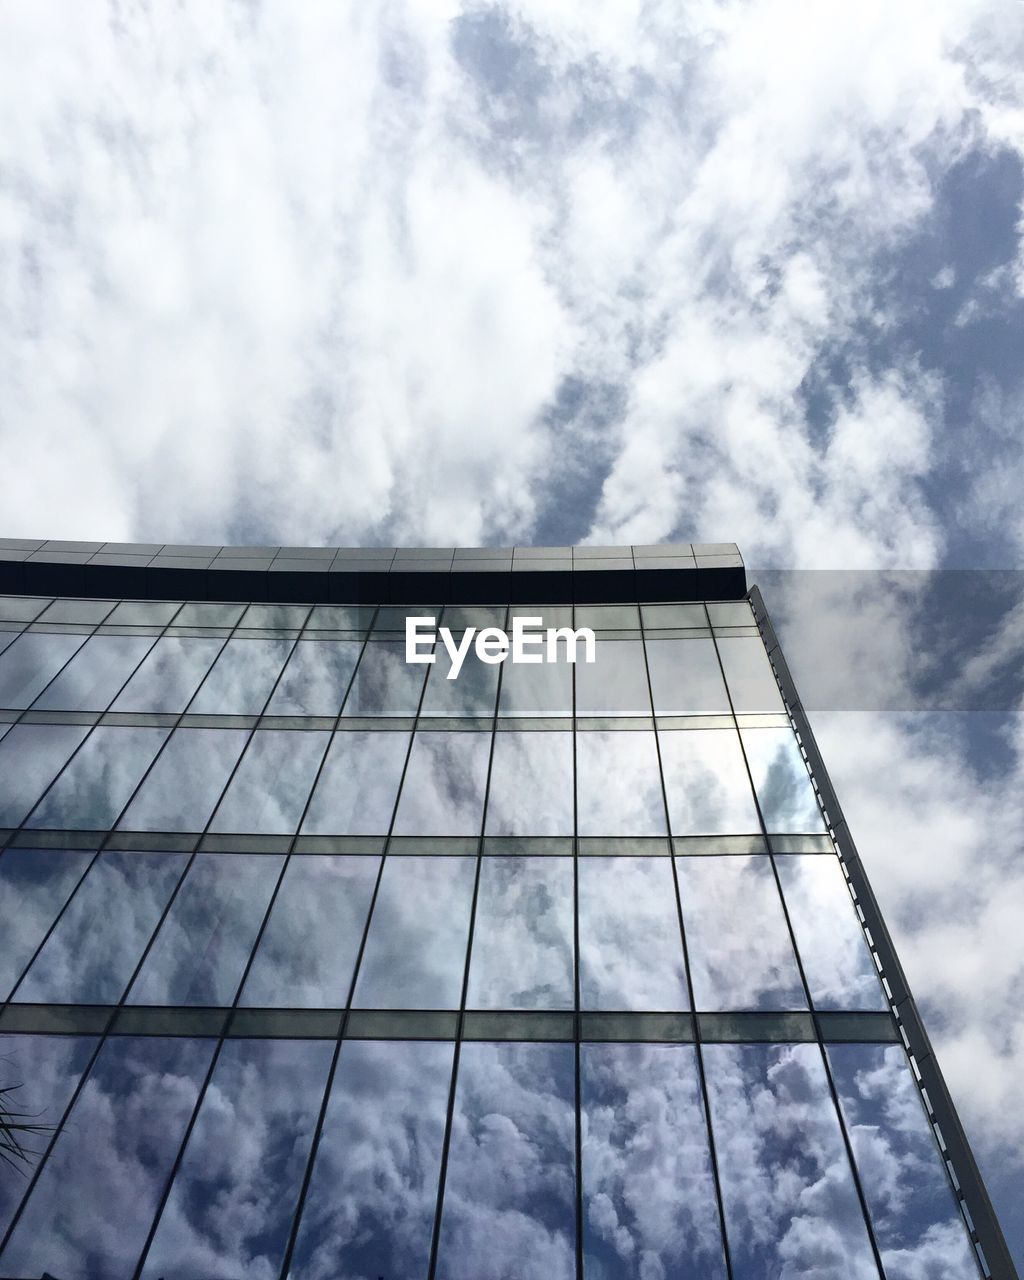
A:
{"points": [[410, 575]]}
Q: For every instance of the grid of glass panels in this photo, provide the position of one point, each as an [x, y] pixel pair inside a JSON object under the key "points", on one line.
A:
{"points": [[343, 967]]}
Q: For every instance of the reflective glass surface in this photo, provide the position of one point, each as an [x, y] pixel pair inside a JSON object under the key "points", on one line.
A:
{"points": [[473, 692], [706, 783], [308, 950], [616, 683], [201, 949], [509, 1198], [385, 684], [752, 684], [41, 1073], [90, 956], [631, 951], [34, 886], [30, 756], [233, 1198], [536, 689], [270, 787], [95, 674], [618, 785], [531, 785], [443, 791], [28, 665], [790, 1203], [686, 679], [94, 1202], [783, 786], [741, 956], [242, 678], [649, 1203], [837, 963], [369, 1209], [186, 781], [97, 783], [919, 1230], [415, 955], [316, 678], [355, 794], [523, 936], [169, 674]]}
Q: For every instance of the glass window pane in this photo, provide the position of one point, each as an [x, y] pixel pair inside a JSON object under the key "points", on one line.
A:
{"points": [[316, 678], [616, 683], [649, 1203], [28, 665], [275, 615], [618, 785], [473, 692], [95, 674], [837, 963], [21, 608], [82, 611], [510, 1195], [706, 783], [740, 952], [200, 613], [94, 1202], [269, 790], [536, 689], [341, 617], [30, 756], [41, 1072], [308, 949], [790, 1203], [230, 1216], [531, 785], [201, 949], [917, 1225], [685, 678], [99, 781], [242, 677], [34, 885], [783, 785], [91, 954], [169, 675], [749, 674], [608, 617], [186, 781], [631, 952], [355, 793], [385, 684], [149, 613], [369, 1209], [730, 613], [443, 792], [523, 936], [673, 615], [415, 955]]}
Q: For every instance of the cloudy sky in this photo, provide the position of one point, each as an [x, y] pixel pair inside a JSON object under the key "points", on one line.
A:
{"points": [[552, 271]]}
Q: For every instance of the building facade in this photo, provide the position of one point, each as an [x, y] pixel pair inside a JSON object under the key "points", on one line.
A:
{"points": [[316, 963]]}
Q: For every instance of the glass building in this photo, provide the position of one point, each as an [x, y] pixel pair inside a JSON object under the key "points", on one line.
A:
{"points": [[318, 964]]}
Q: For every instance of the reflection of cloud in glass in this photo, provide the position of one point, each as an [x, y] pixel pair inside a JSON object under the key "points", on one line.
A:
{"points": [[185, 783], [615, 684], [706, 783], [242, 677], [631, 952], [272, 783], [34, 885], [531, 785], [920, 1233], [41, 1072], [31, 663], [536, 689], [308, 949], [98, 782], [741, 956], [618, 784], [443, 791], [95, 674], [169, 674], [791, 1208], [91, 954], [415, 954], [355, 793], [95, 1199], [30, 756], [685, 677], [369, 1210], [233, 1199], [315, 679], [522, 938], [833, 949], [200, 951], [752, 684], [781, 780], [385, 684], [509, 1201], [471, 693], [648, 1192]]}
